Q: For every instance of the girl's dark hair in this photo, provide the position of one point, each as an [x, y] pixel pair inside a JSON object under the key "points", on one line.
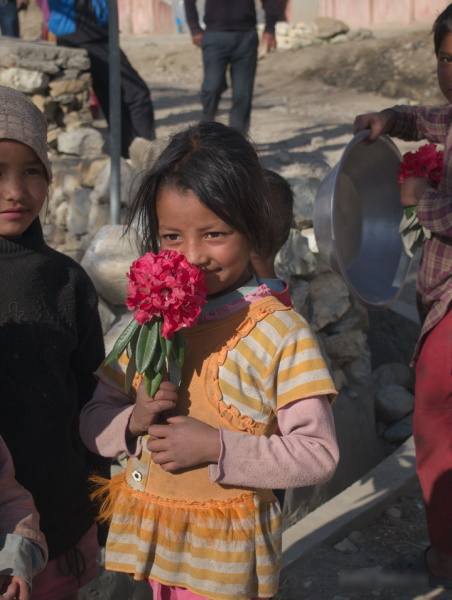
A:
{"points": [[281, 209], [221, 167], [441, 27]]}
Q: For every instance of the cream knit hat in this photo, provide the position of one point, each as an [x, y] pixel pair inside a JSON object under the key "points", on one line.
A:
{"points": [[21, 120]]}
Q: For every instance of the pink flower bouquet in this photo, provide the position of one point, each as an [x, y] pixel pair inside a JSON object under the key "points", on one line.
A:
{"points": [[427, 161], [167, 293]]}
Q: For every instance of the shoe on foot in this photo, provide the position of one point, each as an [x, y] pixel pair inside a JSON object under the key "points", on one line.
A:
{"points": [[420, 566]]}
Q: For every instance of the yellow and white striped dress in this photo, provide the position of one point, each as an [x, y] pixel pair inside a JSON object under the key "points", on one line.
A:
{"points": [[180, 529]]}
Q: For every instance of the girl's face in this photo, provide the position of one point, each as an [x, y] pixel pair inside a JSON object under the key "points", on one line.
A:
{"points": [[23, 187], [186, 225], [444, 67]]}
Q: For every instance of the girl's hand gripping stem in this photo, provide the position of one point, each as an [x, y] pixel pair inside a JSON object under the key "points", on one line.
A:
{"points": [[147, 410]]}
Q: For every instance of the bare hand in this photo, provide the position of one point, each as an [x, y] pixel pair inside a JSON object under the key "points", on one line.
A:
{"points": [[197, 39], [13, 588], [412, 189], [378, 123], [146, 410], [269, 41], [184, 442]]}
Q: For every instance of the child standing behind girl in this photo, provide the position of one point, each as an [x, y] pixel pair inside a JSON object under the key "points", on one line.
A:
{"points": [[194, 512], [23, 549], [51, 342], [432, 422]]}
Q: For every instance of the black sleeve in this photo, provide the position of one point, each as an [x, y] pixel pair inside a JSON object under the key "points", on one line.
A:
{"points": [[191, 14], [271, 15], [88, 356], [90, 350]]}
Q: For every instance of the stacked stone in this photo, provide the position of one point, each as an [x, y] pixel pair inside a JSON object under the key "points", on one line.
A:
{"points": [[323, 30], [56, 79]]}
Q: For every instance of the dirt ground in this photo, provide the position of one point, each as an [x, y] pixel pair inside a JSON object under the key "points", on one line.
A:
{"points": [[305, 100], [304, 106], [390, 542]]}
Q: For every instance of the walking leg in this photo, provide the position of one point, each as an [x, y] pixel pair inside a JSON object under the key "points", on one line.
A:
{"points": [[215, 55], [243, 71]]}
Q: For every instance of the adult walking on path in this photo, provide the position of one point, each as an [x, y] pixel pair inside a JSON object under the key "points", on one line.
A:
{"points": [[230, 38], [84, 24], [9, 17]]}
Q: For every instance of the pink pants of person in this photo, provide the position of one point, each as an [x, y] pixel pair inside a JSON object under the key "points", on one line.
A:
{"points": [[170, 592], [432, 428]]}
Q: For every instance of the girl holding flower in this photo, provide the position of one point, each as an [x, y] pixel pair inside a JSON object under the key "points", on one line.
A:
{"points": [[433, 354], [194, 512]]}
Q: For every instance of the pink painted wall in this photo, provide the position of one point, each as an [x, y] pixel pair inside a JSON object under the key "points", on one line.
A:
{"points": [[366, 13], [145, 16]]}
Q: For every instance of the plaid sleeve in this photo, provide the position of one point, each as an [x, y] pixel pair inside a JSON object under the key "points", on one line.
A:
{"points": [[422, 122], [435, 212]]}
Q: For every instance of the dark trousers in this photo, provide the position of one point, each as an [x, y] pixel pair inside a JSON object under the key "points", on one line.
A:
{"points": [[9, 20], [137, 112], [238, 50]]}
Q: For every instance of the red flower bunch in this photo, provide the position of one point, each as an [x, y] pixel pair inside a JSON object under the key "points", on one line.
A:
{"points": [[427, 161], [166, 293], [168, 285]]}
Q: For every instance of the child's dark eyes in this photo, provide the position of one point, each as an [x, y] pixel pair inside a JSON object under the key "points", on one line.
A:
{"points": [[34, 171], [446, 59], [215, 234], [170, 237]]}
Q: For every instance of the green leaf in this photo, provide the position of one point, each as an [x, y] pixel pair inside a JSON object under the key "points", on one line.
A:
{"points": [[146, 345], [131, 346], [178, 349], [122, 342], [166, 345], [410, 211], [159, 360], [130, 373], [152, 383]]}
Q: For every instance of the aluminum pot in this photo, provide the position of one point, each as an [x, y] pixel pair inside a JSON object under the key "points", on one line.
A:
{"points": [[356, 219]]}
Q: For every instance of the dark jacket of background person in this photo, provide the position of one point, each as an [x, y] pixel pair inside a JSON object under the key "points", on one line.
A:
{"points": [[84, 24], [233, 15]]}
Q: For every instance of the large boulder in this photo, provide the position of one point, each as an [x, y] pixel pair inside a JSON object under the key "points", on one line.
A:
{"points": [[108, 259]]}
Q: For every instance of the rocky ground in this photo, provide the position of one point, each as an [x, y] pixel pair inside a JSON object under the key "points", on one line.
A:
{"points": [[304, 105]]}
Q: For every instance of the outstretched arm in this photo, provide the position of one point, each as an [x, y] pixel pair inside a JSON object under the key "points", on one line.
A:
{"points": [[377, 123], [411, 123]]}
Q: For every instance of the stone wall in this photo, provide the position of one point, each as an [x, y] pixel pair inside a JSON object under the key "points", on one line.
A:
{"points": [[56, 79]]}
